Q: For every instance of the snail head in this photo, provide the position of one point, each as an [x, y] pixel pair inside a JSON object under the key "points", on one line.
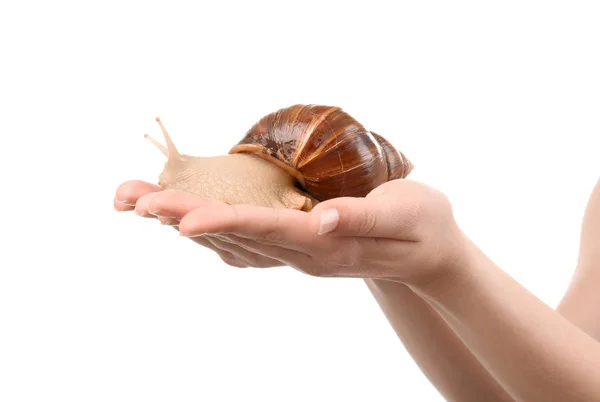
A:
{"points": [[176, 162]]}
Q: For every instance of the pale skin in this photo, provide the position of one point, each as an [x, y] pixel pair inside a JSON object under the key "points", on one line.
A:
{"points": [[476, 333]]}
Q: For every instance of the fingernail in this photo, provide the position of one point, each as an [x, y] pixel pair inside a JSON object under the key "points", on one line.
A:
{"points": [[125, 202], [170, 222], [329, 221], [187, 234]]}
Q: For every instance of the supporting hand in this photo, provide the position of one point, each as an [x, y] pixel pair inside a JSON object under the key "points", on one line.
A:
{"points": [[402, 230]]}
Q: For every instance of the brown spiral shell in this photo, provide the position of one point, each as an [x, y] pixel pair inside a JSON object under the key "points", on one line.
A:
{"points": [[326, 150]]}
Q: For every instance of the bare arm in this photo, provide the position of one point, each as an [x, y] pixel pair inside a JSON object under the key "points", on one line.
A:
{"points": [[436, 349], [581, 303], [527, 347], [535, 353], [441, 354]]}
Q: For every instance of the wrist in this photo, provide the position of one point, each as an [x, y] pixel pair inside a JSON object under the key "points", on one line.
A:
{"points": [[451, 271]]}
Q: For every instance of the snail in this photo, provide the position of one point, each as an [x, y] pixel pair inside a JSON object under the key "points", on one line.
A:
{"points": [[292, 158]]}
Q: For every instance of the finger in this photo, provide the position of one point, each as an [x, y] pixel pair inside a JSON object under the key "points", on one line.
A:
{"points": [[283, 255], [274, 233], [233, 261], [168, 221], [175, 204], [300, 261], [142, 204], [231, 253], [121, 207], [367, 217], [227, 257], [283, 227], [129, 192], [252, 258]]}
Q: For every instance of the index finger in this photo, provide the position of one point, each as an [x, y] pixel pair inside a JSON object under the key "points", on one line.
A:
{"points": [[267, 225], [130, 191], [176, 203]]}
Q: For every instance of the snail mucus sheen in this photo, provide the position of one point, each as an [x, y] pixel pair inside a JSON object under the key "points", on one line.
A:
{"points": [[293, 158]]}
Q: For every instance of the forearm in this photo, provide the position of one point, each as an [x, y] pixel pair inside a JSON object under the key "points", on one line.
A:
{"points": [[589, 250], [439, 353], [582, 299], [534, 352], [581, 302]]}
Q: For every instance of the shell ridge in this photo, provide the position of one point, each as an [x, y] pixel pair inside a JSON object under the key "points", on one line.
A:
{"points": [[329, 152], [354, 129], [315, 122], [303, 136]]}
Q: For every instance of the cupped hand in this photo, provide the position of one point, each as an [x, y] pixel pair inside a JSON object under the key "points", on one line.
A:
{"points": [[403, 230], [135, 195]]}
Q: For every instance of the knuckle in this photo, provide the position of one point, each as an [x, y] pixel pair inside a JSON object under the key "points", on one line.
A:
{"points": [[230, 259], [222, 237], [262, 263], [366, 222], [314, 267], [170, 192], [316, 270], [344, 259], [164, 197], [235, 212], [235, 263], [273, 236]]}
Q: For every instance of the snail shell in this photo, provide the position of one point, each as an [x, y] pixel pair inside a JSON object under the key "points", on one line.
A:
{"points": [[292, 158], [326, 150]]}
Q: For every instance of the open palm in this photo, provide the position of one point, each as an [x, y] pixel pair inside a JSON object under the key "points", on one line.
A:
{"points": [[398, 229]]}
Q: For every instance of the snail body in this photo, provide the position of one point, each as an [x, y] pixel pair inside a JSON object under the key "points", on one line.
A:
{"points": [[292, 158]]}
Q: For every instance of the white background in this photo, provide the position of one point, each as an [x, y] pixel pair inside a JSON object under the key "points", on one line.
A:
{"points": [[496, 103]]}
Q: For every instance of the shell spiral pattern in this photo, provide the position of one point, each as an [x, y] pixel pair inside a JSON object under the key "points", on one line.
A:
{"points": [[326, 150]]}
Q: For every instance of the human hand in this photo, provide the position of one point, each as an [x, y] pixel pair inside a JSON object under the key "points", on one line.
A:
{"points": [[403, 230], [135, 195]]}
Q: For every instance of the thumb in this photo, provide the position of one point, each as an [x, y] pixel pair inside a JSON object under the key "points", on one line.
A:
{"points": [[364, 217]]}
